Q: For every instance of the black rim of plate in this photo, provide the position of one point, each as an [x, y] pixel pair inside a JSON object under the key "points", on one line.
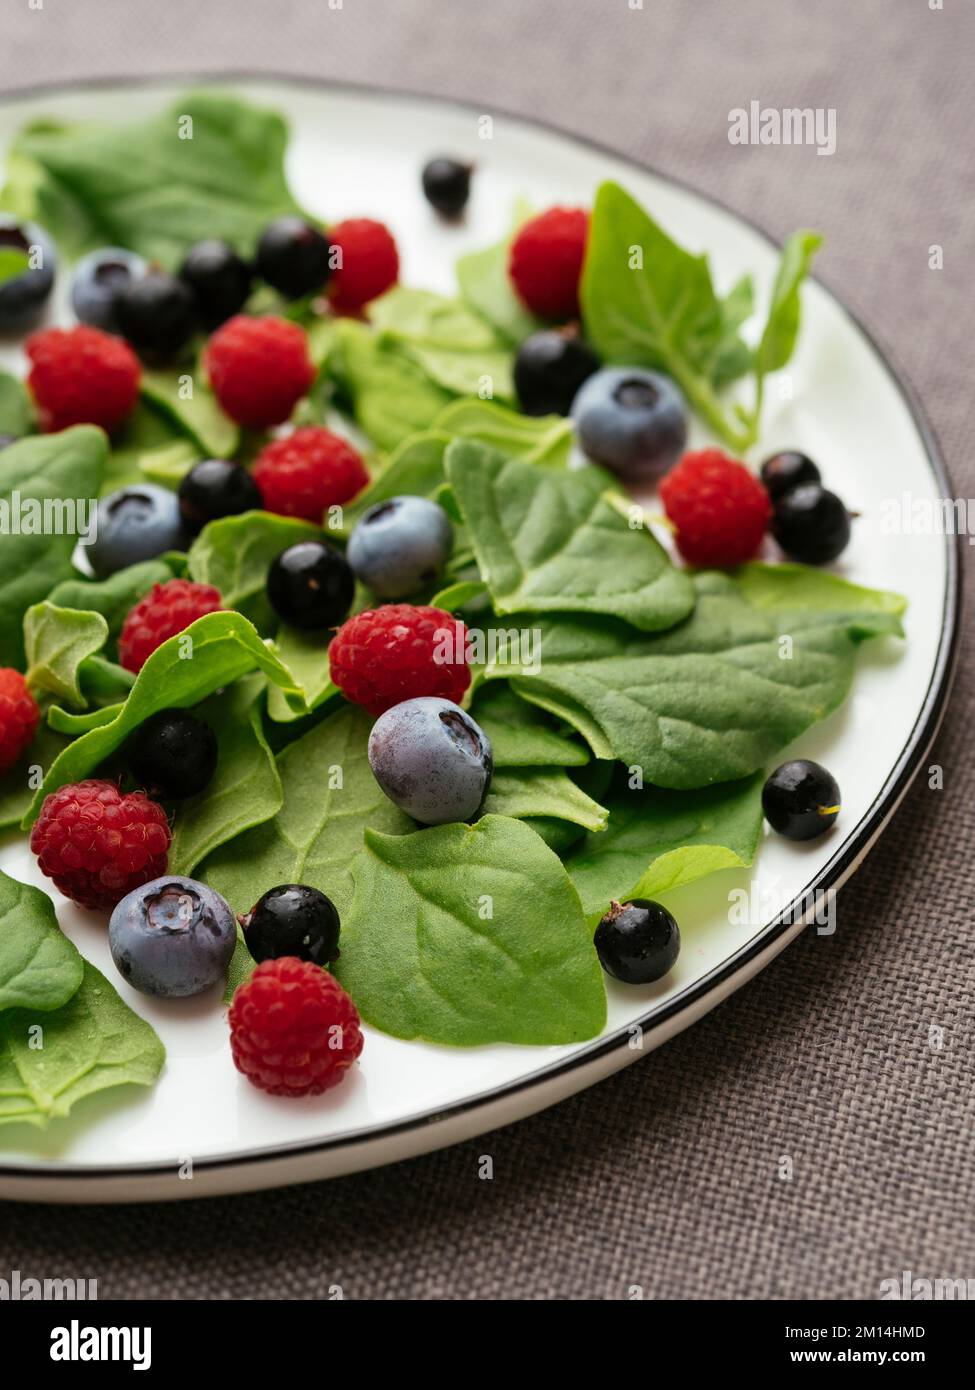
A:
{"points": [[854, 847]]}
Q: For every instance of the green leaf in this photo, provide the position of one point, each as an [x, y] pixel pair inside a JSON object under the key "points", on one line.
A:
{"points": [[112, 597], [317, 832], [246, 788], [782, 327], [64, 722], [235, 553], [520, 734], [481, 931], [210, 165], [39, 967], [138, 446], [18, 784], [192, 406], [221, 646], [659, 840], [392, 396], [415, 468], [456, 348], [544, 439], [523, 792], [712, 699], [103, 682], [57, 641], [306, 656], [91, 1043], [543, 541], [485, 284], [16, 411], [54, 469]]}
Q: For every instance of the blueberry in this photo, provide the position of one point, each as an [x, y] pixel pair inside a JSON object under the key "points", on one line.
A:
{"points": [[214, 488], [447, 185], [172, 937], [219, 279], [400, 545], [431, 760], [310, 585], [98, 280], [293, 257], [27, 266], [787, 470], [633, 422], [801, 800], [550, 367], [811, 524], [173, 754], [135, 523], [637, 942], [157, 315], [292, 920]]}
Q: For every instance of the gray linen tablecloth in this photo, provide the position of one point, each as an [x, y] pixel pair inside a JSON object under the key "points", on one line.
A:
{"points": [[666, 1175]]}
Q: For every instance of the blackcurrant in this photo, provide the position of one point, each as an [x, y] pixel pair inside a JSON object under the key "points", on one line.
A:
{"points": [[447, 185], [310, 585], [157, 314], [801, 800], [293, 257], [292, 920], [173, 754], [787, 470], [637, 942], [219, 279], [550, 367], [214, 488], [811, 524]]}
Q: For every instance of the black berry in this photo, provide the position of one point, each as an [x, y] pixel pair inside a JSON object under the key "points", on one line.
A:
{"points": [[310, 585], [157, 315], [219, 279], [811, 524], [550, 367], [173, 754], [292, 920], [214, 488], [637, 942], [787, 470], [801, 800], [293, 257], [447, 185]]}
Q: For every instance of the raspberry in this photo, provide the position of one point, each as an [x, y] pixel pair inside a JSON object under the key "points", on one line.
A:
{"points": [[718, 509], [82, 376], [369, 263], [97, 845], [307, 472], [167, 609], [18, 716], [545, 262], [389, 654], [259, 369], [293, 1029]]}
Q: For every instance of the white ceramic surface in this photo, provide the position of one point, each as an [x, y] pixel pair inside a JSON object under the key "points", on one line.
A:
{"points": [[360, 153]]}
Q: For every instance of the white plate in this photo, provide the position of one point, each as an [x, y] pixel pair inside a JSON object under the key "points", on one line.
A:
{"points": [[359, 153]]}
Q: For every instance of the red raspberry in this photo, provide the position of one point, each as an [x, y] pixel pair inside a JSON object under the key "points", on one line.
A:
{"points": [[18, 716], [391, 654], [82, 376], [545, 262], [718, 508], [369, 263], [259, 369], [293, 1029], [167, 609], [307, 472], [97, 845]]}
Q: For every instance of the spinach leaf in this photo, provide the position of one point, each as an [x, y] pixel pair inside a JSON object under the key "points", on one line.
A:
{"points": [[455, 347], [112, 597], [306, 656], [484, 282], [39, 967], [91, 1043], [522, 792], [64, 722], [144, 442], [234, 554], [211, 165], [103, 682], [246, 788], [16, 411], [544, 439], [415, 467], [483, 933], [542, 538], [192, 406], [659, 840], [520, 734], [330, 797], [209, 654], [57, 641], [392, 396], [56, 469], [712, 699]]}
